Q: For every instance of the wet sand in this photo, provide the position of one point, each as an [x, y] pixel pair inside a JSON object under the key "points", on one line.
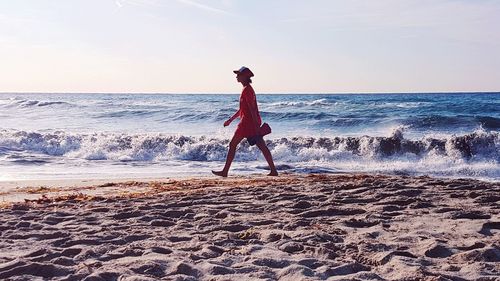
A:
{"points": [[294, 227]]}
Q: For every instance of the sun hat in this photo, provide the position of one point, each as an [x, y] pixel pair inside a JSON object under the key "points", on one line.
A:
{"points": [[244, 70]]}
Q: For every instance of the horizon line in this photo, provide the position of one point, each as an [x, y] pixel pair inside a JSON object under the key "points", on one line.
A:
{"points": [[261, 93]]}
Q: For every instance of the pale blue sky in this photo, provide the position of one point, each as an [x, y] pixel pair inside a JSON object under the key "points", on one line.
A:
{"points": [[313, 46]]}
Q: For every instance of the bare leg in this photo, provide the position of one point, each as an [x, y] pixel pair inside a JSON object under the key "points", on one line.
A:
{"points": [[261, 144], [230, 156]]}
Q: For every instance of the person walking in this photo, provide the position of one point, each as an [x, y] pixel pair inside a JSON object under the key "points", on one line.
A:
{"points": [[249, 126]]}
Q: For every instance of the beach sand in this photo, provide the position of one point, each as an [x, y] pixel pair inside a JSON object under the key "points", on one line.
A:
{"points": [[292, 227]]}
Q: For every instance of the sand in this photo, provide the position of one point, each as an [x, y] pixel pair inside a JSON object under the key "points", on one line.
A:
{"points": [[293, 227]]}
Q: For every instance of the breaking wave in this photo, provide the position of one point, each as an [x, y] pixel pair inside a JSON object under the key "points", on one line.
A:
{"points": [[146, 147], [27, 103], [317, 102]]}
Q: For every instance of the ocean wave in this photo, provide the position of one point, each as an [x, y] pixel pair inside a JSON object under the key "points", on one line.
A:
{"points": [[168, 114], [488, 122], [410, 104], [320, 119], [476, 146], [296, 116], [440, 121], [345, 122], [128, 113], [318, 102], [26, 103], [377, 104]]}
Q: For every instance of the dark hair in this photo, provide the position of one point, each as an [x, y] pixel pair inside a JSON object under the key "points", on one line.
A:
{"points": [[249, 80]]}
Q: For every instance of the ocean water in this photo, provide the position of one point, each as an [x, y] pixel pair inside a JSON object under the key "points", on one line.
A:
{"points": [[65, 136]]}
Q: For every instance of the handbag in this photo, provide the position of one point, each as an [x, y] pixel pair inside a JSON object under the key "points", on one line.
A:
{"points": [[265, 129]]}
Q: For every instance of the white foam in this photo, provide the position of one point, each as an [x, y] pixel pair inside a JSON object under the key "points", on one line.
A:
{"points": [[318, 102], [360, 154]]}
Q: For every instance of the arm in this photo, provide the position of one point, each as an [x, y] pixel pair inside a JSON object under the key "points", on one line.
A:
{"points": [[237, 114]]}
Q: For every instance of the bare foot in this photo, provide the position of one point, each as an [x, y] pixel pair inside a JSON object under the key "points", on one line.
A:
{"points": [[273, 174], [219, 173]]}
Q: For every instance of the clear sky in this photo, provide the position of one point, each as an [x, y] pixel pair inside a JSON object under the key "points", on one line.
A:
{"points": [[309, 46]]}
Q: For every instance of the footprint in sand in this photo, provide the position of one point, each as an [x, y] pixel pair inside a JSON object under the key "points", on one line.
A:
{"points": [[487, 227], [99, 210], [271, 263], [311, 263], [293, 271], [301, 204], [422, 205], [477, 245], [491, 198], [163, 223], [438, 251], [71, 252], [34, 269], [392, 208], [208, 252], [322, 253], [36, 253], [220, 270], [385, 257], [23, 224], [360, 223], [47, 235], [179, 238], [472, 215], [346, 269], [332, 212], [185, 269], [445, 210], [273, 236], [175, 214], [291, 247], [487, 254], [136, 237], [161, 250], [399, 202], [150, 268], [52, 220], [63, 261], [127, 215], [409, 192], [295, 224]]}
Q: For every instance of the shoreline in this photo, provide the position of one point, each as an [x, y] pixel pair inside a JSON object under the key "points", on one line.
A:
{"points": [[16, 191], [292, 227]]}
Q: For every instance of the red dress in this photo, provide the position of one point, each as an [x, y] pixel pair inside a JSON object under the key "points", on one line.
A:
{"points": [[248, 104]]}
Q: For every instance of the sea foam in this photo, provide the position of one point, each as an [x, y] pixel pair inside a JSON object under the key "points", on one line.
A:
{"points": [[454, 155]]}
